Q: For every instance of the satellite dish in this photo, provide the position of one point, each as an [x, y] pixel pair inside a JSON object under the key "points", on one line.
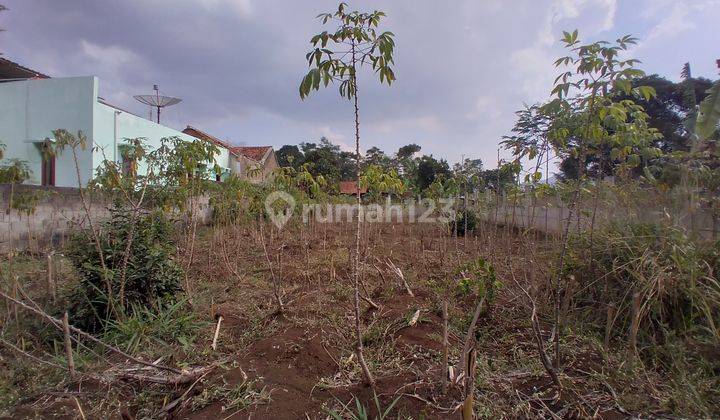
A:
{"points": [[157, 100]]}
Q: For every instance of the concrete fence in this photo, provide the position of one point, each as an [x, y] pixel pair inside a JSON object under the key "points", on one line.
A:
{"points": [[55, 213], [551, 216]]}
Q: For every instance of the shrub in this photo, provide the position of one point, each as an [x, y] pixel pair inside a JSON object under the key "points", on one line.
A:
{"points": [[152, 277], [675, 276], [471, 222]]}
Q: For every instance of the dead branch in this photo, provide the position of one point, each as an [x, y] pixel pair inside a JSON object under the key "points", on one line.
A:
{"points": [[59, 324], [183, 377], [400, 276], [470, 336]]}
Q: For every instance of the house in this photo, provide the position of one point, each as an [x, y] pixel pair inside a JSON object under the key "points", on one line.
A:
{"points": [[350, 188], [254, 163], [33, 105]]}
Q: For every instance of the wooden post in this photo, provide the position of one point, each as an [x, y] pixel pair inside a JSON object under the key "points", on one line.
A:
{"points": [[217, 333], [445, 346], [467, 409], [610, 317], [68, 345], [51, 276], [634, 324]]}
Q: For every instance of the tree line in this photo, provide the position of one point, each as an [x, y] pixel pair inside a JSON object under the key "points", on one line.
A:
{"points": [[417, 171]]}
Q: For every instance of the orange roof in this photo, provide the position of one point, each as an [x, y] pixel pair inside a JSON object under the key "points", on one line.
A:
{"points": [[350, 187], [192, 131], [252, 152], [12, 70]]}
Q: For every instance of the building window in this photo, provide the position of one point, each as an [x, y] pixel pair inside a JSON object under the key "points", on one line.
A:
{"points": [[47, 170]]}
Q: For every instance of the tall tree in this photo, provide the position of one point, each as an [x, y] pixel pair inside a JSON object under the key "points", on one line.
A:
{"points": [[290, 155], [355, 44], [375, 156], [428, 170]]}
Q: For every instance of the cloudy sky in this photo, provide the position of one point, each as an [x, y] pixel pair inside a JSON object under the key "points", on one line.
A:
{"points": [[463, 66]]}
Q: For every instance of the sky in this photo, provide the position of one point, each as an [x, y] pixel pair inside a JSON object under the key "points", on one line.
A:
{"points": [[463, 67]]}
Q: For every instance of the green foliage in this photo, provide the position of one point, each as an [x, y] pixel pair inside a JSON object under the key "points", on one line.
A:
{"points": [[461, 222], [235, 200], [591, 117], [709, 114], [380, 181], [478, 277], [357, 31], [428, 170], [147, 328], [152, 278]]}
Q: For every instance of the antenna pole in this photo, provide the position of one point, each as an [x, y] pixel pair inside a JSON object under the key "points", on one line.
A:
{"points": [[157, 98]]}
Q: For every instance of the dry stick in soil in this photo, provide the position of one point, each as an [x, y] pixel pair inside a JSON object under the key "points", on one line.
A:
{"points": [[470, 336], [217, 333], [68, 345], [276, 285], [446, 345], [467, 409], [50, 276], [400, 276], [544, 359]]}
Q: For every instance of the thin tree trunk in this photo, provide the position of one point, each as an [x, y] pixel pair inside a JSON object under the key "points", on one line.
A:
{"points": [[446, 346], [369, 380]]}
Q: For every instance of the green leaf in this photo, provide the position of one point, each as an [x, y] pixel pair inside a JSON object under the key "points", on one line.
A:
{"points": [[708, 113]]}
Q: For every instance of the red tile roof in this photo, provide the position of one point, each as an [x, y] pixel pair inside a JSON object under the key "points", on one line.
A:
{"points": [[252, 152], [350, 187], [192, 131]]}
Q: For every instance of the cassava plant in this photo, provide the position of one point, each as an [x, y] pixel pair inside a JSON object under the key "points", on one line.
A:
{"points": [[589, 117], [337, 57]]}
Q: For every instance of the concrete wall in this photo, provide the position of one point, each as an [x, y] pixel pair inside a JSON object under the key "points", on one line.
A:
{"points": [[552, 216], [31, 109], [243, 165], [59, 210]]}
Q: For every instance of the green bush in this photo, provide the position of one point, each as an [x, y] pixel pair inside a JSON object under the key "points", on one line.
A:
{"points": [[471, 222], [152, 277], [675, 275]]}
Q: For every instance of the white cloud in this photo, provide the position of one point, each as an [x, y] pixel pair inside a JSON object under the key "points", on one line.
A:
{"points": [[533, 65], [112, 56], [241, 8], [334, 137]]}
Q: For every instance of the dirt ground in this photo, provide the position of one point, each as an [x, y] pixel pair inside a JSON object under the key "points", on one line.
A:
{"points": [[299, 364]]}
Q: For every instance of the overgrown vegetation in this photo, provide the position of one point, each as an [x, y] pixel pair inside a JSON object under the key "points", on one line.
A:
{"points": [[127, 284], [486, 311]]}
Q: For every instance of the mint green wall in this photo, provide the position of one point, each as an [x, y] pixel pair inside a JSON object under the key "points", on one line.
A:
{"points": [[108, 121], [30, 110]]}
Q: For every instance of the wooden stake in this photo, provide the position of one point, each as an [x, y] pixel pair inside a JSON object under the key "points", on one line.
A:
{"points": [[445, 346], [68, 345], [217, 333], [467, 409], [50, 276]]}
